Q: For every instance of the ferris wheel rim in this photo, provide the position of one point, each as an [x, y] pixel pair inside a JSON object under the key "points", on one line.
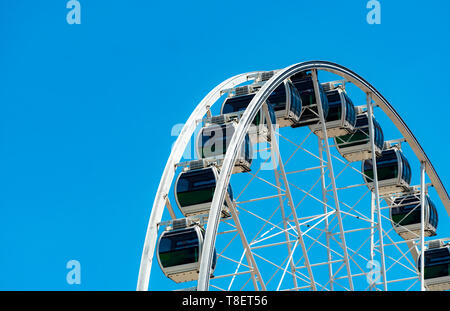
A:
{"points": [[209, 100]]}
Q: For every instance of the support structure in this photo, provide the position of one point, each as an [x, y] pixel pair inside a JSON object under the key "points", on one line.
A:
{"points": [[325, 212], [372, 239], [161, 199], [255, 273], [276, 156], [331, 172], [376, 189], [422, 225]]}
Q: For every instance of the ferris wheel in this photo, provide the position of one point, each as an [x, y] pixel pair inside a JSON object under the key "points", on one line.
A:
{"points": [[302, 178]]}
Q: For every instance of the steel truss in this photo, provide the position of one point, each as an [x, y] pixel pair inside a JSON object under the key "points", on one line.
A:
{"points": [[310, 236]]}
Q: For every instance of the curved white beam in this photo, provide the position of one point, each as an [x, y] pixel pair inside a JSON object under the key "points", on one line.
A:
{"points": [[243, 127], [169, 171]]}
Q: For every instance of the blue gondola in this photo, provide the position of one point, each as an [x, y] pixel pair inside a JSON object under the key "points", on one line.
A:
{"points": [[194, 189], [304, 84], [394, 172], [356, 146], [437, 266], [214, 138], [236, 103], [179, 251], [341, 118], [405, 214]]}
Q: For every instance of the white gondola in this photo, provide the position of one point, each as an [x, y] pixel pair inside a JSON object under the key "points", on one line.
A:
{"points": [[238, 100], [356, 146], [194, 189], [341, 118], [285, 100], [286, 103], [214, 138], [179, 250], [437, 266], [393, 170], [304, 84], [405, 215]]}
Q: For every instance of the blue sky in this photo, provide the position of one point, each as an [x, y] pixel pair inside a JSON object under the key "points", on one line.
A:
{"points": [[87, 110]]}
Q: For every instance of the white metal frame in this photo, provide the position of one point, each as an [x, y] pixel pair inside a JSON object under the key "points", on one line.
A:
{"points": [[237, 139]]}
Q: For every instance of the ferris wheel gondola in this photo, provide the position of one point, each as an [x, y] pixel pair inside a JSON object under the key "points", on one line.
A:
{"points": [[356, 146], [214, 138], [304, 84], [341, 117], [437, 266], [179, 250], [393, 170], [286, 103], [405, 214], [236, 103], [194, 189]]}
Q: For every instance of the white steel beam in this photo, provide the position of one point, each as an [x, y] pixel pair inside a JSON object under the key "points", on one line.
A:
{"points": [[277, 159], [331, 175], [422, 225], [376, 189], [256, 274]]}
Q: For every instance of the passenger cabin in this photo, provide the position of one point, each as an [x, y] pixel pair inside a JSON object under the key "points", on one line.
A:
{"points": [[286, 103], [285, 100], [238, 100], [214, 138], [437, 266], [405, 214], [341, 118], [304, 84], [356, 146], [393, 170], [194, 189], [179, 251]]}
